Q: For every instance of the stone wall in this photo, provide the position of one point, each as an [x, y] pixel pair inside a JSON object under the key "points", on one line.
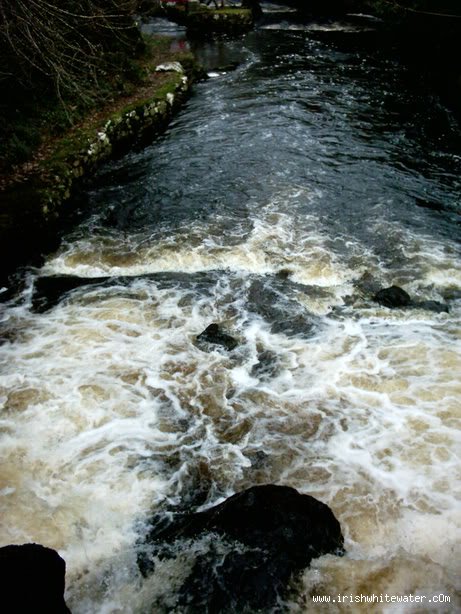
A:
{"points": [[32, 211], [202, 21]]}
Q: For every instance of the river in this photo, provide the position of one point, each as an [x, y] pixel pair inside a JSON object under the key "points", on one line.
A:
{"points": [[285, 193]]}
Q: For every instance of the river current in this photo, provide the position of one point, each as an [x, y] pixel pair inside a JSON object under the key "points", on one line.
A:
{"points": [[284, 194]]}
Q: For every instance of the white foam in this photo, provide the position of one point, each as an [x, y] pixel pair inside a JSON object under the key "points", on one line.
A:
{"points": [[109, 408]]}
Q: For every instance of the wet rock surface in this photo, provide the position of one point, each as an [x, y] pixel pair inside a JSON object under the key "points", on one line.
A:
{"points": [[257, 540], [214, 335], [270, 299], [50, 290], [267, 365], [395, 297], [434, 306], [33, 580]]}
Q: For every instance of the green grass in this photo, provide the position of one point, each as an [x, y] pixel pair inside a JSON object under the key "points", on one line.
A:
{"points": [[234, 11]]}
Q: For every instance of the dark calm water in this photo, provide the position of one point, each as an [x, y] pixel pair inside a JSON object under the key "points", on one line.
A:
{"points": [[285, 192]]}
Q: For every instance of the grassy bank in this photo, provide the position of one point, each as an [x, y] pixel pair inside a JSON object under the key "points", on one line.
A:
{"points": [[34, 193], [39, 126]]}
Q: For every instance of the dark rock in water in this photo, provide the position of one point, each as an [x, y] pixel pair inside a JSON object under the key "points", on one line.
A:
{"points": [[284, 273], [258, 459], [33, 580], [392, 297], [258, 539], [396, 297], [197, 484], [434, 306], [214, 335], [367, 284], [429, 204], [265, 301], [285, 315], [50, 290], [266, 366], [300, 325]]}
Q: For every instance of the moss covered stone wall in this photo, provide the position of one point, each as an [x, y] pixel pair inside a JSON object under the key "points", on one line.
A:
{"points": [[31, 210]]}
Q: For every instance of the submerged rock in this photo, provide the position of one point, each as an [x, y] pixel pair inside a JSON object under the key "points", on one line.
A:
{"points": [[33, 579], [215, 336], [285, 315], [257, 540], [434, 306], [267, 365], [392, 297]]}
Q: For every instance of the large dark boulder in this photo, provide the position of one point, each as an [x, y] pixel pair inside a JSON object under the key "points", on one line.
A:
{"points": [[257, 540], [32, 580], [214, 335], [392, 297], [395, 297]]}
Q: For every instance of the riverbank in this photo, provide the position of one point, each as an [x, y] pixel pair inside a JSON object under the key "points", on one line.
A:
{"points": [[35, 194]]}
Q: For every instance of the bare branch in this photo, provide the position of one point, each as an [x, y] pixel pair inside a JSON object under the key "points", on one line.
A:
{"points": [[67, 41]]}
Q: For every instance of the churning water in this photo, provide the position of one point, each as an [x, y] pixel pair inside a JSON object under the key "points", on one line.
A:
{"points": [[282, 196]]}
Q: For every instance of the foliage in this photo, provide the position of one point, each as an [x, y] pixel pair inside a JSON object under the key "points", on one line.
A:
{"points": [[58, 57], [66, 42]]}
